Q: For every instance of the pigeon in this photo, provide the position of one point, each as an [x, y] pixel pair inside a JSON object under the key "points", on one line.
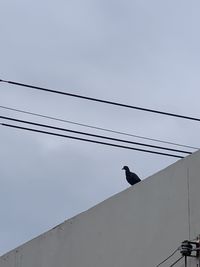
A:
{"points": [[131, 177]]}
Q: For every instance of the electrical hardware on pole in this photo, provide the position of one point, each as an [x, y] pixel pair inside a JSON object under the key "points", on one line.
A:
{"points": [[190, 249]]}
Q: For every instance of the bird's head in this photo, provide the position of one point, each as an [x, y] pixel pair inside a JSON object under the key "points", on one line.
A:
{"points": [[126, 168]]}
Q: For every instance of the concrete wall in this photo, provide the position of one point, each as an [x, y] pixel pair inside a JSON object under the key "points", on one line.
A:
{"points": [[138, 227]]}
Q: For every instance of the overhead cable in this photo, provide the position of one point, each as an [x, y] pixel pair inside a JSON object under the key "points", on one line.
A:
{"points": [[171, 255], [91, 141], [176, 262], [100, 100], [92, 135], [96, 128]]}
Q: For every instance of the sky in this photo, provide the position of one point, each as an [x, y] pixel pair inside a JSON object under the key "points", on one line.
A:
{"points": [[137, 52]]}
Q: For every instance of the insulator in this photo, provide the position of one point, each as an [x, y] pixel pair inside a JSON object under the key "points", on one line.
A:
{"points": [[186, 248]]}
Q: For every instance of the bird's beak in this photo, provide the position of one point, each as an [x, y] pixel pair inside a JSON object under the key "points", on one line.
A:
{"points": [[123, 168]]}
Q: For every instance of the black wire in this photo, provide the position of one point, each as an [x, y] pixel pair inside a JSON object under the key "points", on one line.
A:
{"points": [[172, 254], [92, 135], [89, 140], [176, 261], [101, 100], [97, 128]]}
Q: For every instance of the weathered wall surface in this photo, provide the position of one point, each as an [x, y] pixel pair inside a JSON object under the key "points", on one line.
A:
{"points": [[138, 227]]}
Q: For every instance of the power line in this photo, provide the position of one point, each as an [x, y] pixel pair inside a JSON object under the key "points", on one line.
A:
{"points": [[91, 141], [101, 100], [185, 249], [92, 135], [171, 255], [176, 262], [96, 128]]}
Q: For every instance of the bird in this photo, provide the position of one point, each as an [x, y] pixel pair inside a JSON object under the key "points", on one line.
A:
{"points": [[131, 177]]}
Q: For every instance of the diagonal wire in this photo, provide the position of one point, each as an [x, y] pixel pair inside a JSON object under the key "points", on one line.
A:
{"points": [[91, 141], [92, 135], [95, 127], [100, 100], [172, 254], [176, 261]]}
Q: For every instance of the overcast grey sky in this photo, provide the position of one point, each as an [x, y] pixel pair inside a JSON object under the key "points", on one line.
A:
{"points": [[138, 52]]}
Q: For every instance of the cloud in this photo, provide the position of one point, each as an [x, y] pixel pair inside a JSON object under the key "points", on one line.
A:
{"points": [[135, 52]]}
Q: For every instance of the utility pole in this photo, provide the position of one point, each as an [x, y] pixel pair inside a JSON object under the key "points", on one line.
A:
{"points": [[190, 249]]}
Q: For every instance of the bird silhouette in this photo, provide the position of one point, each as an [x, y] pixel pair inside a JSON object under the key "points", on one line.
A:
{"points": [[131, 177]]}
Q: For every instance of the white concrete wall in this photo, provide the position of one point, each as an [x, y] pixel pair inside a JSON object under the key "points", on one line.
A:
{"points": [[136, 228]]}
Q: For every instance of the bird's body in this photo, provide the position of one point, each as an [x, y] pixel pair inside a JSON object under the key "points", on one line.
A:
{"points": [[131, 177]]}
